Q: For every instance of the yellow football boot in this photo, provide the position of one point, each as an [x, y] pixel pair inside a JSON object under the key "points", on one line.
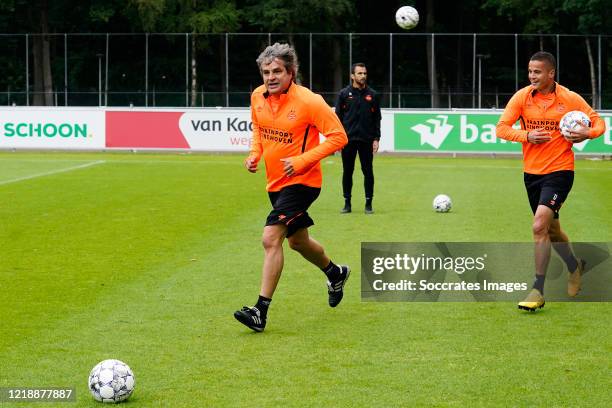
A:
{"points": [[533, 301], [574, 278]]}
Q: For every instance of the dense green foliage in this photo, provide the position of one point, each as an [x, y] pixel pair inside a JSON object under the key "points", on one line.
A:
{"points": [[204, 16], [198, 65]]}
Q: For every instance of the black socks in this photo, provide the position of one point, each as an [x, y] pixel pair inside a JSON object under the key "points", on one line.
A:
{"points": [[572, 264], [332, 271], [539, 283], [262, 304]]}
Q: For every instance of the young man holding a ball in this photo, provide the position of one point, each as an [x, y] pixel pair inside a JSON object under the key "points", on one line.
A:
{"points": [[548, 164]]}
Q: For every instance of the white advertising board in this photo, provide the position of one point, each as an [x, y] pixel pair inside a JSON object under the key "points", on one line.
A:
{"points": [[52, 128]]}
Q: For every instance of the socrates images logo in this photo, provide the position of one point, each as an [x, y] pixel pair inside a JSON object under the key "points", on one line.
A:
{"points": [[434, 131]]}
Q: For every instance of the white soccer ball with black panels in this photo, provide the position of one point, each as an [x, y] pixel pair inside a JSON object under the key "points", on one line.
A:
{"points": [[407, 17], [111, 381], [571, 120], [442, 203]]}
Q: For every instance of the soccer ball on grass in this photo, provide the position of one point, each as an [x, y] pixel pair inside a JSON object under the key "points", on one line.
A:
{"points": [[407, 17], [442, 203], [111, 381]]}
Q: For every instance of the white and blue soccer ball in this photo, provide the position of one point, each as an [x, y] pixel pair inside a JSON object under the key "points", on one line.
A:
{"points": [[571, 120], [442, 203], [111, 381], [407, 17]]}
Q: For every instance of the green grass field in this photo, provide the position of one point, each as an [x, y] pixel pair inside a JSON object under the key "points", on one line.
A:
{"points": [[144, 258]]}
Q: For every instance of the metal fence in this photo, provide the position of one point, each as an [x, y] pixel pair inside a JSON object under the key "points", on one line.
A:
{"points": [[410, 70]]}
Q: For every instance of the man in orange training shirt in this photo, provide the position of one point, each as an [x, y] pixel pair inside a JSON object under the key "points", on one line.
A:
{"points": [[287, 119], [548, 164]]}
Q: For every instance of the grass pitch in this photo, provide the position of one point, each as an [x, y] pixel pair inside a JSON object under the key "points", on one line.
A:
{"points": [[144, 258]]}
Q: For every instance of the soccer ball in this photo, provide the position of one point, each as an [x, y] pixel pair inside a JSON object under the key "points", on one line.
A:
{"points": [[111, 381], [571, 120], [407, 17], [442, 203]]}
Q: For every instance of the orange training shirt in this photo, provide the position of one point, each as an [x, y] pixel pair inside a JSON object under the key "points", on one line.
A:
{"points": [[289, 128], [537, 111]]}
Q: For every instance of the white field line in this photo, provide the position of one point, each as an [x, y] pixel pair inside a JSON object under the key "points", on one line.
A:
{"points": [[49, 173], [38, 160], [239, 162], [325, 161]]}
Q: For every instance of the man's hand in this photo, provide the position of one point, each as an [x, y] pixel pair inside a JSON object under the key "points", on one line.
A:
{"points": [[579, 134], [375, 144], [288, 167], [250, 164], [538, 136]]}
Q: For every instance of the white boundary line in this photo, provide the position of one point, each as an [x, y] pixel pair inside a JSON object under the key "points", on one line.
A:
{"points": [[326, 161], [49, 173]]}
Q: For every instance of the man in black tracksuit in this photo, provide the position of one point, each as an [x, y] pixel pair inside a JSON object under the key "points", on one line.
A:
{"points": [[358, 108]]}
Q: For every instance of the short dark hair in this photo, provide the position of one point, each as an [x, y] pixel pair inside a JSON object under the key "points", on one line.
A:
{"points": [[355, 65], [545, 56]]}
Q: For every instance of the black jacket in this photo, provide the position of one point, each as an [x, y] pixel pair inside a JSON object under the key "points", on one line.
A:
{"points": [[359, 112]]}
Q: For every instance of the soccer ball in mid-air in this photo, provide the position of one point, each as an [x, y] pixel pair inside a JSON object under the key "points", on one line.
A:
{"points": [[407, 17], [571, 120], [442, 203], [111, 381]]}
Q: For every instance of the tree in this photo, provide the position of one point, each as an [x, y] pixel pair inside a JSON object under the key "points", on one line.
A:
{"points": [[40, 19], [286, 16], [431, 60], [537, 17], [43, 79], [568, 16], [191, 16], [35, 20], [594, 17]]}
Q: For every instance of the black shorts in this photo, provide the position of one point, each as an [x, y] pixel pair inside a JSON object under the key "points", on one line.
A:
{"points": [[550, 190], [290, 205]]}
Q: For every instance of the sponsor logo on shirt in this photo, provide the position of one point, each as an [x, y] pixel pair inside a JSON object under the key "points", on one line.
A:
{"points": [[275, 135], [546, 124]]}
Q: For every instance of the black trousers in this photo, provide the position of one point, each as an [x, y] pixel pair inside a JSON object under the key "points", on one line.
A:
{"points": [[349, 152]]}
